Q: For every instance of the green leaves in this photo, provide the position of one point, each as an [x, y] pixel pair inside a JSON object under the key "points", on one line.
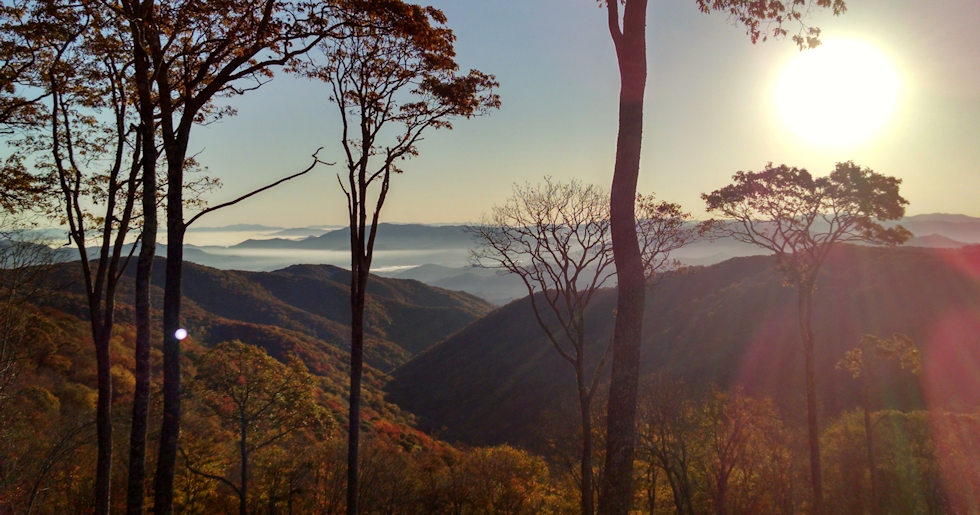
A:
{"points": [[873, 349]]}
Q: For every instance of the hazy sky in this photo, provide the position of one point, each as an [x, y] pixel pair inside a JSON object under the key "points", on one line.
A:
{"points": [[710, 111]]}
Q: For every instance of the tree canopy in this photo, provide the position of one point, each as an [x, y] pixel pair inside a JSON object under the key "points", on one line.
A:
{"points": [[799, 217]]}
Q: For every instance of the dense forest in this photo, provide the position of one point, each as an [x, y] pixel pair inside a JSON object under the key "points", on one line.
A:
{"points": [[720, 425]]}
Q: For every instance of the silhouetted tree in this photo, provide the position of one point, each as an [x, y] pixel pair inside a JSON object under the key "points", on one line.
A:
{"points": [[189, 55], [90, 149], [135, 14], [799, 219], [555, 238], [390, 82], [628, 33], [861, 362]]}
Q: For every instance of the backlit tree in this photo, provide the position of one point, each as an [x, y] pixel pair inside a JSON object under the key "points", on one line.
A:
{"points": [[799, 219], [861, 363], [391, 82], [762, 19]]}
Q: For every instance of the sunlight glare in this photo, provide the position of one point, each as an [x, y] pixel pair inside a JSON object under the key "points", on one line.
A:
{"points": [[838, 94]]}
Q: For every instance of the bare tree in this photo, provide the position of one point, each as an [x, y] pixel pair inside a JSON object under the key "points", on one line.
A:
{"points": [[391, 82], [555, 238]]}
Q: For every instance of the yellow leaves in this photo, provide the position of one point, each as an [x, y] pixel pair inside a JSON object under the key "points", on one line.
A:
{"points": [[873, 350]]}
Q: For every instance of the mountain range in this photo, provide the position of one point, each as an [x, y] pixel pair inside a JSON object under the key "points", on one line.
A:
{"points": [[453, 270], [390, 237], [439, 255], [470, 372]]}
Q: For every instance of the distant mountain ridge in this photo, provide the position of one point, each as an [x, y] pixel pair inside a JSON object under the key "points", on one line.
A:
{"points": [[390, 237], [935, 241], [941, 217], [404, 246], [235, 227]]}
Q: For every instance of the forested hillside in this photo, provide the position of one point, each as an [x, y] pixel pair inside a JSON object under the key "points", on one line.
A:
{"points": [[308, 302], [726, 325], [47, 376]]}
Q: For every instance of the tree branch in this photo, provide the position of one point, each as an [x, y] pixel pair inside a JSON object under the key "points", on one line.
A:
{"points": [[316, 160]]}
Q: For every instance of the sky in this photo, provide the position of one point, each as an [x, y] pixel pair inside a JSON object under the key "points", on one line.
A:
{"points": [[710, 111]]}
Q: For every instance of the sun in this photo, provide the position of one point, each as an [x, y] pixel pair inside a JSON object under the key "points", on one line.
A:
{"points": [[839, 94]]}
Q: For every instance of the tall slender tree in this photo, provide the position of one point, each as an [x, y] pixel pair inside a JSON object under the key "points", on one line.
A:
{"points": [[196, 54], [799, 219], [627, 28], [133, 13], [391, 82], [93, 154]]}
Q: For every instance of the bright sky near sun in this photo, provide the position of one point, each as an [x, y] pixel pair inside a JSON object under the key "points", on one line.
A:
{"points": [[715, 104]]}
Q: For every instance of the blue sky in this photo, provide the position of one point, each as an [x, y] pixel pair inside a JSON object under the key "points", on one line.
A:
{"points": [[709, 112]]}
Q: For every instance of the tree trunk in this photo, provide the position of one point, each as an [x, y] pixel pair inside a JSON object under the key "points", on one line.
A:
{"points": [[651, 487], [585, 407], [721, 484], [170, 429], [144, 269], [676, 492], [141, 391], [617, 493], [103, 419], [805, 305], [359, 276], [243, 449], [869, 442], [686, 491]]}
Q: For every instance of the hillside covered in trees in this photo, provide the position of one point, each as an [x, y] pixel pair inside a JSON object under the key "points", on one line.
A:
{"points": [[47, 383], [731, 325], [495, 381]]}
